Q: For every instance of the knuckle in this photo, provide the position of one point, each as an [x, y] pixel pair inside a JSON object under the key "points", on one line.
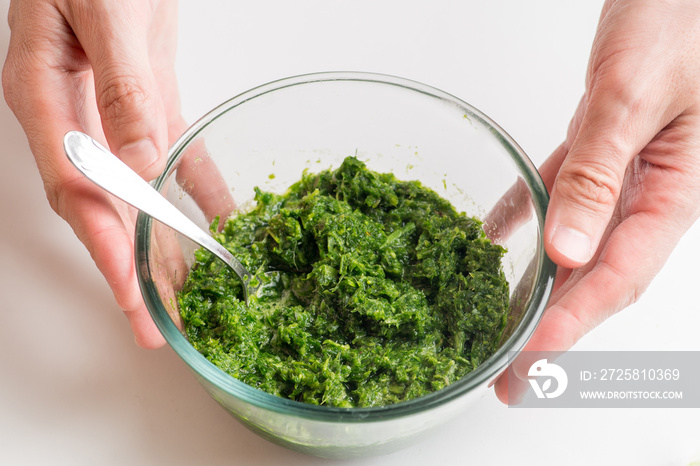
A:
{"points": [[620, 87], [593, 186], [615, 82], [629, 290], [59, 194], [13, 81], [8, 85], [68, 195], [121, 98], [17, 82]]}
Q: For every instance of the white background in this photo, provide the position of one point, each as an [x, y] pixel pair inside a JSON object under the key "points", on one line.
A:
{"points": [[74, 389]]}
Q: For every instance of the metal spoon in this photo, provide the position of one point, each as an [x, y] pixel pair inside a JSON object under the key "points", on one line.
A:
{"points": [[111, 174]]}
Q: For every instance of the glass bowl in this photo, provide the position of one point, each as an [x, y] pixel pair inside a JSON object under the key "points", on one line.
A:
{"points": [[266, 137]]}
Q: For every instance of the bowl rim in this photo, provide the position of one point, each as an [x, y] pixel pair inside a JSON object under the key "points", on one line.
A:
{"points": [[487, 370]]}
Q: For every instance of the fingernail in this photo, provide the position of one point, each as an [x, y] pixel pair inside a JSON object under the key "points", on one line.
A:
{"points": [[572, 243], [139, 155]]}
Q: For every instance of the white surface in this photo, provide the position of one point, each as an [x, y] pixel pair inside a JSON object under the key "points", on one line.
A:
{"points": [[75, 390]]}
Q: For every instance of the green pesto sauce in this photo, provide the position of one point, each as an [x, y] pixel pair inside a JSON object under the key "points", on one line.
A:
{"points": [[374, 291]]}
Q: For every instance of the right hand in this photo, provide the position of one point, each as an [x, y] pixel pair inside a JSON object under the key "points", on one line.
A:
{"points": [[105, 67], [625, 184]]}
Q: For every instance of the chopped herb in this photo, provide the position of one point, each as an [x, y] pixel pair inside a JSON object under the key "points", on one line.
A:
{"points": [[375, 291]]}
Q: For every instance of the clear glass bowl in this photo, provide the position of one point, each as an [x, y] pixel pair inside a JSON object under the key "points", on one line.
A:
{"points": [[265, 137]]}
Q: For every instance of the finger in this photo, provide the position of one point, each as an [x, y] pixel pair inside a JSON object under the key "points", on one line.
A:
{"points": [[632, 256], [128, 98], [199, 177], [197, 173], [98, 221], [162, 38], [515, 207], [510, 389], [170, 269], [588, 186], [549, 169]]}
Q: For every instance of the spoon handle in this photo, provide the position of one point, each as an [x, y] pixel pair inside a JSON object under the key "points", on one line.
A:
{"points": [[106, 170]]}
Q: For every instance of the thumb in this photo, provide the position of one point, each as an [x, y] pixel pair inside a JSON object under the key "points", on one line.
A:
{"points": [[584, 195], [587, 187], [114, 36]]}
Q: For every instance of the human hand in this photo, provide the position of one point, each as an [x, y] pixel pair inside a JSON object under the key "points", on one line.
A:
{"points": [[625, 184], [105, 67]]}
